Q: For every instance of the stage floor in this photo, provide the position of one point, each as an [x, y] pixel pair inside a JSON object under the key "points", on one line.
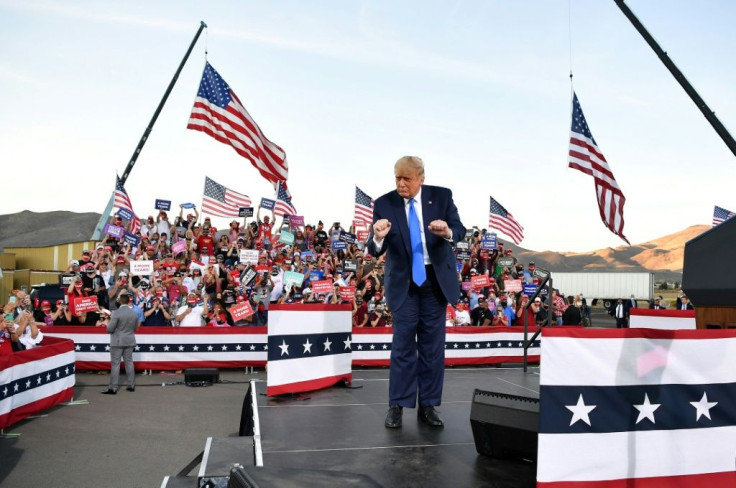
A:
{"points": [[341, 429]]}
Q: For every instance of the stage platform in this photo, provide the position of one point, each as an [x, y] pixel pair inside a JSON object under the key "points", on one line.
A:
{"points": [[340, 431]]}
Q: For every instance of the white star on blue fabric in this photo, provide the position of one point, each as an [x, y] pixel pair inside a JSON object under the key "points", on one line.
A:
{"points": [[307, 347], [580, 411], [646, 409], [347, 343], [284, 347], [703, 407], [327, 344]]}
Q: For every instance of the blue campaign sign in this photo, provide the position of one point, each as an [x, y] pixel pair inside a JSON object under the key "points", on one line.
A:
{"points": [[126, 214], [459, 266], [529, 289], [347, 237], [267, 204], [307, 255], [163, 204], [339, 245], [132, 239], [490, 241], [245, 212], [188, 205]]}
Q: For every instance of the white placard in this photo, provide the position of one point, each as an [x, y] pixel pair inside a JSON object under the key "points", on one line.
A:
{"points": [[141, 268], [248, 256]]}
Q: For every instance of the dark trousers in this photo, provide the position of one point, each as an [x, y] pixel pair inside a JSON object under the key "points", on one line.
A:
{"points": [[418, 347], [620, 323]]}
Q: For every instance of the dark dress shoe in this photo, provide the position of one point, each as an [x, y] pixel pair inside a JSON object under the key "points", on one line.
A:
{"points": [[131, 388], [109, 391], [393, 417], [429, 416]]}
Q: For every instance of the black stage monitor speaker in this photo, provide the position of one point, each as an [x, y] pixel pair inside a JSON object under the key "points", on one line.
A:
{"points": [[201, 376], [505, 425]]}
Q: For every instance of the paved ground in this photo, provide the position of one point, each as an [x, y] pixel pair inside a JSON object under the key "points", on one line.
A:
{"points": [[130, 439]]}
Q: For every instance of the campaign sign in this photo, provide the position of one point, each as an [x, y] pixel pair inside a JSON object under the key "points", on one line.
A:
{"points": [[85, 304], [297, 220], [463, 255], [114, 230], [362, 235], [512, 285], [65, 279], [459, 267], [188, 205], [126, 214], [267, 203], [132, 239], [469, 233], [307, 255], [542, 274], [241, 311], [248, 256], [178, 247], [529, 289], [466, 285], [347, 237], [322, 286], [141, 268], [489, 241], [347, 293], [286, 237], [248, 275], [245, 212], [462, 246], [339, 245], [480, 281], [314, 276], [350, 265], [505, 262], [163, 204], [293, 277]]}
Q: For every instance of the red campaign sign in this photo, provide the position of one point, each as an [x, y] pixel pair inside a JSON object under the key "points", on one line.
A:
{"points": [[241, 311], [512, 285], [323, 286], [362, 235], [263, 268], [449, 312], [347, 292], [480, 281], [85, 304], [466, 285]]}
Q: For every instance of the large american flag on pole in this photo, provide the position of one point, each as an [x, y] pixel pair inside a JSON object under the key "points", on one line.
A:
{"points": [[122, 200], [283, 204], [720, 215], [637, 408], [585, 156], [222, 202], [363, 206], [219, 113], [500, 219]]}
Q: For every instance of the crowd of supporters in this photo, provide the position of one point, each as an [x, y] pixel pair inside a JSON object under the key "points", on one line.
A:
{"points": [[201, 283]]}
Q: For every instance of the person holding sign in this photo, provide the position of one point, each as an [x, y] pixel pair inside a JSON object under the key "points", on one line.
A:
{"points": [[416, 226]]}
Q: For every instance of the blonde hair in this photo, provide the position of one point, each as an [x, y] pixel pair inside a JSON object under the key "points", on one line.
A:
{"points": [[413, 162]]}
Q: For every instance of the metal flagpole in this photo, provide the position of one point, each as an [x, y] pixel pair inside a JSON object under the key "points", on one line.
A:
{"points": [[103, 218]]}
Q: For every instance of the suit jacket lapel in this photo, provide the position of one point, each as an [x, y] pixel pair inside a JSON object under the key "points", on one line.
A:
{"points": [[400, 219]]}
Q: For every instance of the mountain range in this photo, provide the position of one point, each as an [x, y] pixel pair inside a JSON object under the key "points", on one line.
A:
{"points": [[663, 256]]}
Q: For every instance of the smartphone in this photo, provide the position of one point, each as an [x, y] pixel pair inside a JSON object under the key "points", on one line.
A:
{"points": [[11, 299]]}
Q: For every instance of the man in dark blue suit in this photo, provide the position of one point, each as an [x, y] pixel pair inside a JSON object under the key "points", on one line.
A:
{"points": [[417, 226]]}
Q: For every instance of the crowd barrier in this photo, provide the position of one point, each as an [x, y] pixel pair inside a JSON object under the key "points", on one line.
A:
{"points": [[34, 380], [661, 319], [175, 348]]}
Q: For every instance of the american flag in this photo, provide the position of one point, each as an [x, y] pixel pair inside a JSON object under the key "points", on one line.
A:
{"points": [[122, 200], [586, 157], [720, 215], [220, 201], [636, 408], [219, 113], [363, 206], [501, 220], [283, 201]]}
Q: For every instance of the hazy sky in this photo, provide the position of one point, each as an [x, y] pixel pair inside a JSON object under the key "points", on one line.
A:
{"points": [[479, 89]]}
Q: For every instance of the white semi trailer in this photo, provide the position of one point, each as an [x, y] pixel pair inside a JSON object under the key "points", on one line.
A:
{"points": [[606, 287]]}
